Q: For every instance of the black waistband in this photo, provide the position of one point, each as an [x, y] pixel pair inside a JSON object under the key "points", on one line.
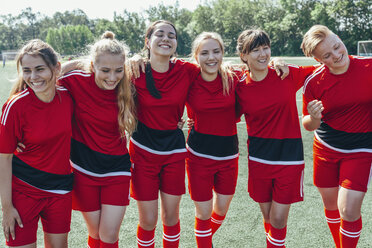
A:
{"points": [[159, 140], [41, 179], [97, 162], [276, 149], [218, 146], [344, 140]]}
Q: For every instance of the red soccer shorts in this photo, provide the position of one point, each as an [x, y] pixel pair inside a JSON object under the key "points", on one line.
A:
{"points": [[90, 193], [205, 174], [281, 183], [54, 211], [148, 179], [348, 170]]}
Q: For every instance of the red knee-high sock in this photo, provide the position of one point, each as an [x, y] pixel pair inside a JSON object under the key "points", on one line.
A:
{"points": [[216, 221], [145, 239], [267, 227], [276, 237], [93, 243], [171, 236], [109, 245], [333, 221], [350, 233], [203, 233]]}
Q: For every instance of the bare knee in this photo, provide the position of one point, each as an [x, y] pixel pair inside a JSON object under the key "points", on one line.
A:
{"points": [[349, 213], [109, 235], [170, 218], [278, 221]]}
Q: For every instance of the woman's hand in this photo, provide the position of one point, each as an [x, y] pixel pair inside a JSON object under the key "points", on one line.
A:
{"points": [[315, 109], [280, 66], [10, 218], [181, 123], [190, 123], [20, 147], [136, 65]]}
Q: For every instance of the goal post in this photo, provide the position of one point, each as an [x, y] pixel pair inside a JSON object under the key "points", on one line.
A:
{"points": [[365, 48]]}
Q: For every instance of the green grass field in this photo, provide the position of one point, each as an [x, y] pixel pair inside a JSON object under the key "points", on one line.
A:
{"points": [[243, 226]]}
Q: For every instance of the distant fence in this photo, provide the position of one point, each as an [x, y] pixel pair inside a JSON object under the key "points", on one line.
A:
{"points": [[9, 54]]}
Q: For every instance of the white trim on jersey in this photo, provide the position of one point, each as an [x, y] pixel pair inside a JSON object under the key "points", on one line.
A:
{"points": [[61, 88], [157, 152], [210, 156], [60, 192], [243, 78], [361, 57], [263, 161], [11, 102], [89, 173], [341, 150], [315, 73], [76, 72]]}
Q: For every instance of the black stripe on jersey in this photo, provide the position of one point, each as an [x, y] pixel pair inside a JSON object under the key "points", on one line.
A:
{"points": [[218, 146], [276, 149], [159, 140], [97, 162], [41, 179], [344, 140]]}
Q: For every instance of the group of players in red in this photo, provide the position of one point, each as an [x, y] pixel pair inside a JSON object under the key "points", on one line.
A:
{"points": [[93, 110]]}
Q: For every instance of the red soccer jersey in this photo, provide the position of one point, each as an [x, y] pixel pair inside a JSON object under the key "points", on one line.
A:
{"points": [[214, 132], [270, 111], [347, 99], [157, 130], [173, 85], [44, 129], [97, 148], [212, 111], [96, 114]]}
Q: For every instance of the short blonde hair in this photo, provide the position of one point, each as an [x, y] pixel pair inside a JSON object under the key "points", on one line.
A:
{"points": [[313, 37]]}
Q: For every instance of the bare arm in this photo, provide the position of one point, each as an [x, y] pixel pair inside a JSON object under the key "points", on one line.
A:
{"points": [[313, 119], [10, 214], [78, 64]]}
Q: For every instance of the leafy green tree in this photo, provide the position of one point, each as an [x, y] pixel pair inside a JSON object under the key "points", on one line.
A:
{"points": [[68, 40]]}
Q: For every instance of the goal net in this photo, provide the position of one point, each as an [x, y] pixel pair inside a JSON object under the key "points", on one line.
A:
{"points": [[365, 48]]}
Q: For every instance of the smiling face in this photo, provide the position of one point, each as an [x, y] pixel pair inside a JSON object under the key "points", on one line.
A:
{"points": [[38, 76], [163, 40], [108, 70], [332, 53], [258, 58], [209, 57]]}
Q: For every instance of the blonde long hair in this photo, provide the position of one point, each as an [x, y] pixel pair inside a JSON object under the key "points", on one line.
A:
{"points": [[34, 47], [125, 90], [225, 70]]}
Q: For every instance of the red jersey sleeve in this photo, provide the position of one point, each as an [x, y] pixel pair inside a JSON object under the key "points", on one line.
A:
{"points": [[9, 127], [307, 96], [300, 73]]}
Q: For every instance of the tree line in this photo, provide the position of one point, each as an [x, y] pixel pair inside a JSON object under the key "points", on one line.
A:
{"points": [[284, 20]]}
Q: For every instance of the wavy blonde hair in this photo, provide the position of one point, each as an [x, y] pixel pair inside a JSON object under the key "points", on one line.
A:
{"points": [[225, 70], [125, 90], [34, 47]]}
